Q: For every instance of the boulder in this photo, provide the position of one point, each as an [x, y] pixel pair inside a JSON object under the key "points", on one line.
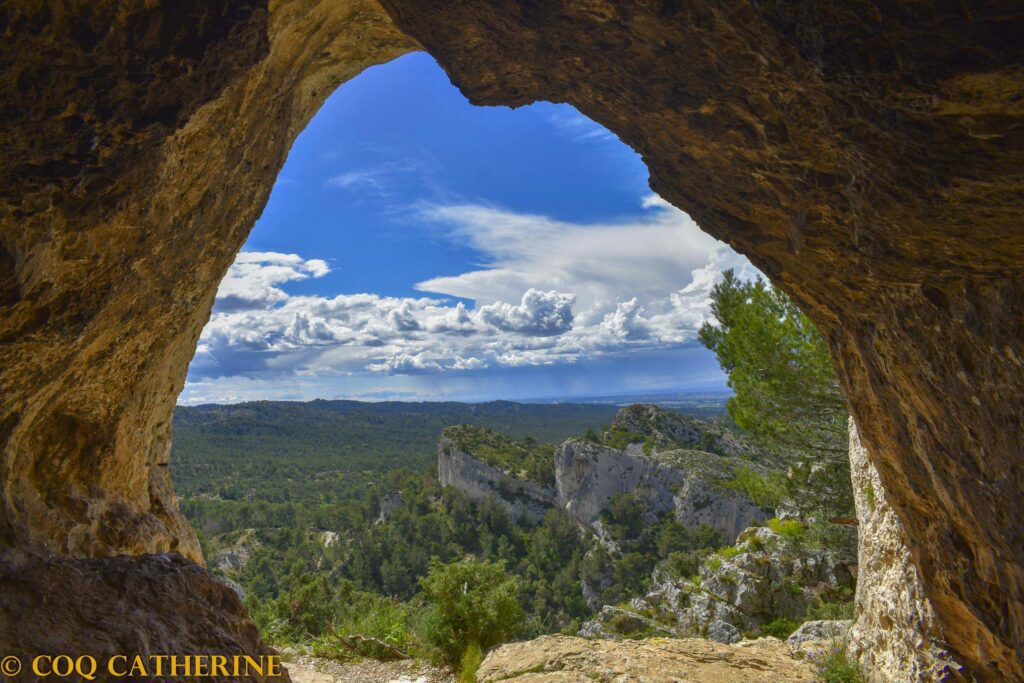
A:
{"points": [[822, 629], [723, 632]]}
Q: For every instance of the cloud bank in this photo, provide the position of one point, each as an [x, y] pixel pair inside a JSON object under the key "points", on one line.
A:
{"points": [[546, 292]]}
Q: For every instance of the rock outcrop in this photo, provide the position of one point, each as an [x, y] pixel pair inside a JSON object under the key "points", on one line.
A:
{"points": [[651, 465], [821, 629], [563, 659], [866, 156], [897, 635], [764, 577], [148, 605], [480, 481], [687, 484]]}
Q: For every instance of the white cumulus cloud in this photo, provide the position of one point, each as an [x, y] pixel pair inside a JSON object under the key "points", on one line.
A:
{"points": [[253, 279], [546, 292], [538, 313]]}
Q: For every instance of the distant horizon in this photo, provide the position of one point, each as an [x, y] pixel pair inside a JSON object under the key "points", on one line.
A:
{"points": [[656, 398]]}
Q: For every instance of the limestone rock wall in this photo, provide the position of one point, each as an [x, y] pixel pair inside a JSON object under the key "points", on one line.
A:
{"points": [[896, 635], [480, 481], [588, 475]]}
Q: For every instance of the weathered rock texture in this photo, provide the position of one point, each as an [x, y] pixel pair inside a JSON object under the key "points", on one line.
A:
{"points": [[480, 481], [896, 636], [651, 463], [867, 156], [149, 605], [140, 142], [562, 659], [766, 577], [682, 482]]}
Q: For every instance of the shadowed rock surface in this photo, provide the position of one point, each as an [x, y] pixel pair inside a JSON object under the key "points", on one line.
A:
{"points": [[867, 156], [148, 605]]}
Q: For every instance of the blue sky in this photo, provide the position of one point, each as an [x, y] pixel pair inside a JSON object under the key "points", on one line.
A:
{"points": [[415, 246]]}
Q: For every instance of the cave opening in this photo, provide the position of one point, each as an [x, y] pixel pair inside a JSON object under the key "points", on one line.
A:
{"points": [[418, 248]]}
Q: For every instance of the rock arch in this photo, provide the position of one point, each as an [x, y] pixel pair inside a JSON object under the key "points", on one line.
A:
{"points": [[868, 157]]}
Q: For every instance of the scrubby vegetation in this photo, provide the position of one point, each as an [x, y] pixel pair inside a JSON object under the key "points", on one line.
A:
{"points": [[524, 459], [835, 666]]}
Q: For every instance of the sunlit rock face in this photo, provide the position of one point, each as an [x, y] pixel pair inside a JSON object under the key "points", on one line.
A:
{"points": [[868, 157], [482, 482], [684, 483], [896, 635]]}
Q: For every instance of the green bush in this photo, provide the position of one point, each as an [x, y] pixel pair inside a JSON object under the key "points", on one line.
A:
{"points": [[835, 666], [472, 603], [790, 529], [619, 438], [680, 564], [832, 611], [372, 626], [674, 537], [729, 552], [766, 490], [780, 628]]}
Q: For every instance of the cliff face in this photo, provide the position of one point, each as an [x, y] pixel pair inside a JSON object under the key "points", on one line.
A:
{"points": [[588, 475], [480, 481], [897, 636], [140, 143]]}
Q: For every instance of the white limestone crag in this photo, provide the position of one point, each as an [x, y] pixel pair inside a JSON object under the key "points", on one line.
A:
{"points": [[819, 629], [480, 481], [896, 635], [686, 483], [766, 576]]}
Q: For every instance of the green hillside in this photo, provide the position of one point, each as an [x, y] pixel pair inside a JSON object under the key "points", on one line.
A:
{"points": [[259, 450]]}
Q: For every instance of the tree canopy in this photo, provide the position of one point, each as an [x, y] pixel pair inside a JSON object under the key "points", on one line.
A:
{"points": [[786, 391]]}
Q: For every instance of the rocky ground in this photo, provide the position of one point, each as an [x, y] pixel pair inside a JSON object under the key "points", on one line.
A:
{"points": [[565, 659], [308, 669]]}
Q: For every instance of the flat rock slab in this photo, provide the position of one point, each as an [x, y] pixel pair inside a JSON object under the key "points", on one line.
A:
{"points": [[564, 659]]}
